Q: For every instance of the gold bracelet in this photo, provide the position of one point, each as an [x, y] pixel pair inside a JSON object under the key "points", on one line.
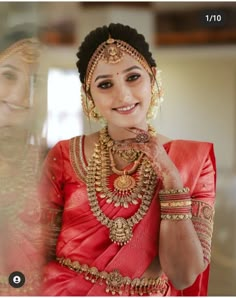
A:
{"points": [[176, 216], [174, 191]]}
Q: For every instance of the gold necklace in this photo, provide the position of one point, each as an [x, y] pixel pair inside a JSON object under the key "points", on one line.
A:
{"points": [[125, 182], [131, 155], [128, 155], [98, 171], [126, 189]]}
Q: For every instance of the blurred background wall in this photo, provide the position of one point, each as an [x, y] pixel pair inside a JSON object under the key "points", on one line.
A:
{"points": [[198, 62]]}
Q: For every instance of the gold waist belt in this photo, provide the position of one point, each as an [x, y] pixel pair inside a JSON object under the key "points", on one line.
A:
{"points": [[116, 283]]}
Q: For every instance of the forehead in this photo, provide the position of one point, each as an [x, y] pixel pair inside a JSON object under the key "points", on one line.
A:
{"points": [[110, 68], [14, 60]]}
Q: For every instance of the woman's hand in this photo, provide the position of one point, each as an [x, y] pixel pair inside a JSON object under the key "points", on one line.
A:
{"points": [[154, 150]]}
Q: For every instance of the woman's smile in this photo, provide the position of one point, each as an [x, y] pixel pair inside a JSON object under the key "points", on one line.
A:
{"points": [[126, 109]]}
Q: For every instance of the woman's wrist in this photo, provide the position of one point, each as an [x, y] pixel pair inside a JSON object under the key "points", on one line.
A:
{"points": [[176, 204]]}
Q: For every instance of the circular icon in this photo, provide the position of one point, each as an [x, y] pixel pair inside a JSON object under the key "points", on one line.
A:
{"points": [[16, 279]]}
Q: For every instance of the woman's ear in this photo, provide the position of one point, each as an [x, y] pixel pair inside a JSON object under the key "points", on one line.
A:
{"points": [[83, 87], [153, 75], [154, 72]]}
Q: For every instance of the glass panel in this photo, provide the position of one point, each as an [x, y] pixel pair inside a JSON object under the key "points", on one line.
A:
{"points": [[65, 118]]}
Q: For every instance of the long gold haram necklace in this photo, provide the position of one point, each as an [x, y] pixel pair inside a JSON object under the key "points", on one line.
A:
{"points": [[121, 229]]}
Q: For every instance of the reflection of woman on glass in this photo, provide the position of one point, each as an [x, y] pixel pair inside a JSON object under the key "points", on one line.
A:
{"points": [[137, 206], [19, 160]]}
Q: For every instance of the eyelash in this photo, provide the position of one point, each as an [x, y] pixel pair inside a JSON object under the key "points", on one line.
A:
{"points": [[131, 78], [103, 85], [10, 76]]}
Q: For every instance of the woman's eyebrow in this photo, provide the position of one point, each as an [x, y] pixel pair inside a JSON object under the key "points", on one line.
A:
{"points": [[131, 68], [102, 77], [11, 67], [124, 71]]}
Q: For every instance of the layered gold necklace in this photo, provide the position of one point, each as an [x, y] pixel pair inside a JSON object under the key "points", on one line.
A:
{"points": [[127, 189]]}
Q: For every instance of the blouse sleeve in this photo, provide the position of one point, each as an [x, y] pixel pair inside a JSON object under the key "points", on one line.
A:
{"points": [[51, 191], [203, 200]]}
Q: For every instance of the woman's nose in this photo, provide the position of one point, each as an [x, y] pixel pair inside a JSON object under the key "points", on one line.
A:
{"points": [[123, 94]]}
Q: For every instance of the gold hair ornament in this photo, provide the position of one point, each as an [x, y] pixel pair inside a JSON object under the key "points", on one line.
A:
{"points": [[29, 49], [112, 51]]}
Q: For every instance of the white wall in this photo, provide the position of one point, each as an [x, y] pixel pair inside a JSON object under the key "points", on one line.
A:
{"points": [[200, 100]]}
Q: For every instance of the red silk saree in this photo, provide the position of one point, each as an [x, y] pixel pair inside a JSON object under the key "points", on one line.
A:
{"points": [[82, 238]]}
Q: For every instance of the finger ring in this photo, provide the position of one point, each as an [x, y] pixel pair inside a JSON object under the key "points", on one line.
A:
{"points": [[142, 138]]}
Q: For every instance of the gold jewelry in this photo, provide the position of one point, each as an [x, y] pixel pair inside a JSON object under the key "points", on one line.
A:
{"points": [[174, 191], [176, 216], [98, 172], [126, 190], [128, 155], [175, 204], [132, 154], [89, 107], [112, 51], [117, 283], [29, 49], [124, 183], [156, 97]]}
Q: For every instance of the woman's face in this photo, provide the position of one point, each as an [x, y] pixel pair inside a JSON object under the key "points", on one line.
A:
{"points": [[122, 92], [14, 91]]}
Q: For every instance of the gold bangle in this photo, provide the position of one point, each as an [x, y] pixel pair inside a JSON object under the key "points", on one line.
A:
{"points": [[176, 216], [174, 191], [174, 203]]}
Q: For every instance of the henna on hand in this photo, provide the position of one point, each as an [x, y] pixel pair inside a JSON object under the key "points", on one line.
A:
{"points": [[155, 152]]}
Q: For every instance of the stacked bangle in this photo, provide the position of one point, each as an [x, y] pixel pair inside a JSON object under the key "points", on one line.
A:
{"points": [[175, 204]]}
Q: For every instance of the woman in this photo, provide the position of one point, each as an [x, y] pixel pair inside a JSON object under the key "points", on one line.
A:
{"points": [[136, 207], [20, 232]]}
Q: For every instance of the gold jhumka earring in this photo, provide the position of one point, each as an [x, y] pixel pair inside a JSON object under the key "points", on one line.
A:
{"points": [[156, 97], [89, 107]]}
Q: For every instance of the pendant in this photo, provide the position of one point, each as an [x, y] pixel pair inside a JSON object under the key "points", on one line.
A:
{"points": [[120, 231], [128, 155], [124, 183]]}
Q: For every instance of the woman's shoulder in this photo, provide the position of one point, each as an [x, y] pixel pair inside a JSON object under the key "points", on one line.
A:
{"points": [[188, 149], [182, 142]]}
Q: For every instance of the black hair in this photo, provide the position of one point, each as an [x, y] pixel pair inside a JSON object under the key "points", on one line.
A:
{"points": [[116, 31]]}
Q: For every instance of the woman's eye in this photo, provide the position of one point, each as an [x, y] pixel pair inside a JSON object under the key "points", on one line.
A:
{"points": [[133, 77], [105, 85], [11, 76]]}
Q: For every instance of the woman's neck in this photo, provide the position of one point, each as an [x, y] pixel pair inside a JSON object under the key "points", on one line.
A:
{"points": [[121, 133]]}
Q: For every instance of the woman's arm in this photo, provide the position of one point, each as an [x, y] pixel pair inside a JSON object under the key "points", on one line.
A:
{"points": [[51, 193]]}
